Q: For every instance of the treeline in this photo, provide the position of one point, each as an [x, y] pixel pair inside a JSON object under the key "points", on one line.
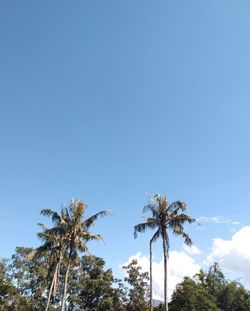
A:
{"points": [[91, 287], [56, 277], [24, 285], [210, 291]]}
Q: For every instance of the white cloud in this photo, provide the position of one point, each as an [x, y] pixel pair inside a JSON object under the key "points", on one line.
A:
{"points": [[234, 254], [217, 220], [191, 250], [180, 264]]}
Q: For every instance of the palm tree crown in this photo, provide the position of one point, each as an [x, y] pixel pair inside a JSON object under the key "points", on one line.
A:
{"points": [[71, 227], [165, 217]]}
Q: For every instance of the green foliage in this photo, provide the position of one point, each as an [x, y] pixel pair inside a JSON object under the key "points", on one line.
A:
{"points": [[23, 287], [210, 291], [8, 292], [161, 307], [17, 286], [234, 297], [91, 287], [138, 295], [29, 277], [190, 296]]}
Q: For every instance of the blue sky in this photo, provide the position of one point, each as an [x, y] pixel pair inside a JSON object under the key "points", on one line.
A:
{"points": [[108, 100]]}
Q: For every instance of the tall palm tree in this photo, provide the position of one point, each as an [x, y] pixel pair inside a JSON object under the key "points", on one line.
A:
{"points": [[74, 231], [165, 217], [53, 248]]}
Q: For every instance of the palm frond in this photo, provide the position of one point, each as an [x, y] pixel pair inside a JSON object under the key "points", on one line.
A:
{"points": [[88, 236], [83, 248], [44, 248], [65, 214], [54, 235], [31, 255], [142, 227], [42, 236], [181, 219], [43, 226], [156, 235], [186, 237], [56, 218], [152, 222], [90, 221], [39, 251], [177, 206], [153, 208]]}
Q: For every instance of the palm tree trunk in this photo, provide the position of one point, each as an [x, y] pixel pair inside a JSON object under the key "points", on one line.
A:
{"points": [[54, 282], [165, 274], [151, 277], [66, 284], [57, 279], [51, 288]]}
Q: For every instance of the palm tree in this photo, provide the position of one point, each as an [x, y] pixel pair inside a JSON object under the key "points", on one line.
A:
{"points": [[165, 217], [53, 248], [74, 232]]}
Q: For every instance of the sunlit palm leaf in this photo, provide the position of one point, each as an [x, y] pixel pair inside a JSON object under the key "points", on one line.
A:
{"points": [[90, 221]]}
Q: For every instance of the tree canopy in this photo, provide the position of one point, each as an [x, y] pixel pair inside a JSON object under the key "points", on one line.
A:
{"points": [[62, 272]]}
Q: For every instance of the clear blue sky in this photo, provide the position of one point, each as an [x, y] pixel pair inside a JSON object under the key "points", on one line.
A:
{"points": [[108, 100]]}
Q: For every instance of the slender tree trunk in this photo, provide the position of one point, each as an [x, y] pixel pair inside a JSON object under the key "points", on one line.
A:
{"points": [[51, 288], [151, 277], [52, 285], [66, 284], [57, 279], [165, 274]]}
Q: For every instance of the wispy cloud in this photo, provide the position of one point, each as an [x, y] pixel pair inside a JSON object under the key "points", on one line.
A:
{"points": [[217, 220]]}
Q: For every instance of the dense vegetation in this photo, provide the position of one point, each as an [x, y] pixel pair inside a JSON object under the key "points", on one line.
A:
{"points": [[91, 287], [24, 285], [210, 292], [61, 274]]}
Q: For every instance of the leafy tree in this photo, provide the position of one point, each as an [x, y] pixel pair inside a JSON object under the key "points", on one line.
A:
{"points": [[8, 291], [165, 217], [139, 290], [234, 297], [23, 282], [190, 296], [210, 291], [229, 295], [91, 287], [215, 280], [30, 277]]}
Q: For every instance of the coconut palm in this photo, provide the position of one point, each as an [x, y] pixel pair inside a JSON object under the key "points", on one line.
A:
{"points": [[165, 217], [54, 245], [53, 248], [74, 232]]}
